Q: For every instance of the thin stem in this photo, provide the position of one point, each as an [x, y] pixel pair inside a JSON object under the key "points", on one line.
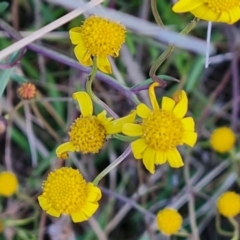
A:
{"points": [[92, 94], [191, 202], [8, 115], [209, 30], [167, 52], [236, 228], [219, 229], [156, 14], [112, 165]]}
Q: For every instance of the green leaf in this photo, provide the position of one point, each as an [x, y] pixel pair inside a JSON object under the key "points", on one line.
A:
{"points": [[3, 6], [5, 77]]}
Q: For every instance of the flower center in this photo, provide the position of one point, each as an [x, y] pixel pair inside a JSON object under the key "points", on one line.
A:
{"points": [[102, 37], [222, 5], [66, 190], [162, 130], [87, 134]]}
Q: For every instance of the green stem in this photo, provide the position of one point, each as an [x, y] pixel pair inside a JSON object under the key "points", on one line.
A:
{"points": [[8, 115], [168, 51], [236, 228], [182, 233], [191, 202], [124, 138], [21, 222], [111, 166], [219, 229], [90, 80], [156, 14]]}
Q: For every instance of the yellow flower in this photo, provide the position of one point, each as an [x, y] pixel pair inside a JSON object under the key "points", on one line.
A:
{"points": [[228, 204], [169, 221], [88, 133], [98, 37], [222, 139], [66, 192], [8, 184], [162, 130], [227, 11]]}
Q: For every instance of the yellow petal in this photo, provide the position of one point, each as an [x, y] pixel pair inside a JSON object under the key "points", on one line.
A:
{"points": [[186, 5], [102, 117], [62, 150], [174, 158], [224, 17], [190, 138], [132, 129], [116, 126], [143, 110], [205, 13], [43, 202], [90, 208], [152, 95], [168, 103], [104, 65], [188, 124], [234, 15], [160, 158], [53, 212], [84, 102], [138, 148], [82, 55], [149, 159], [75, 35], [94, 193], [180, 108], [78, 216]]}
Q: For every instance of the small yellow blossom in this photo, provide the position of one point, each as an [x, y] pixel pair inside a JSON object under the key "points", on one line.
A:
{"points": [[227, 11], [88, 133], [97, 37], [169, 221], [27, 91], [8, 184], [222, 139], [228, 204], [66, 192], [162, 130]]}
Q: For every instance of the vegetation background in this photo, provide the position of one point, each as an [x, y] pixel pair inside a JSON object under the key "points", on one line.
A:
{"points": [[131, 196]]}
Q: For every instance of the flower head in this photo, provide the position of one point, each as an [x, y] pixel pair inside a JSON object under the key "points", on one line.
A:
{"points": [[97, 37], [222, 139], [27, 91], [169, 221], [228, 204], [66, 192], [162, 130], [88, 133], [227, 11], [8, 183]]}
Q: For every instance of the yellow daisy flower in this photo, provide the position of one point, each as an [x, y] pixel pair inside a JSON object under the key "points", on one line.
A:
{"points": [[66, 192], [8, 184], [169, 221], [98, 37], [228, 204], [162, 130], [222, 139], [227, 11], [88, 133]]}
